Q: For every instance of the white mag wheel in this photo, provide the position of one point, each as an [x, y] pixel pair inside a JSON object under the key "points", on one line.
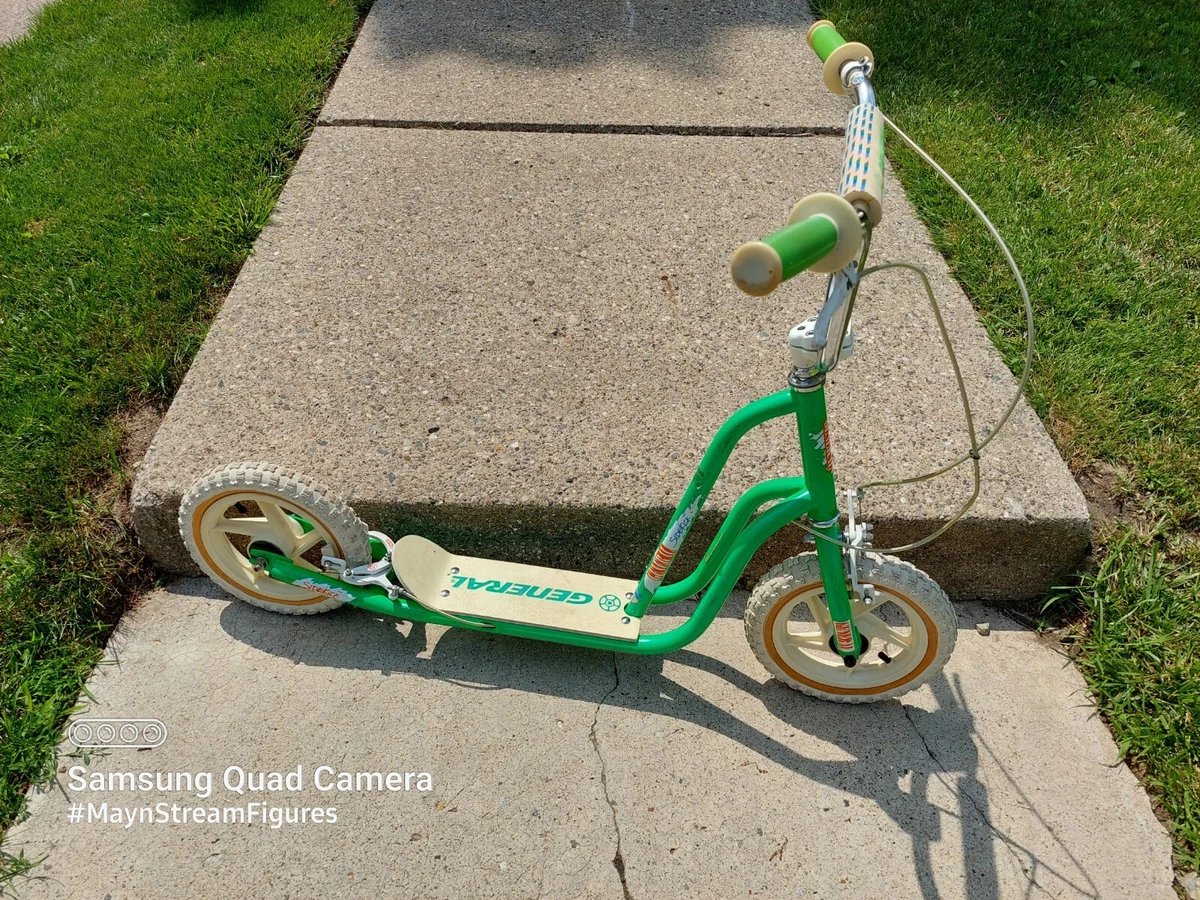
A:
{"points": [[910, 629], [229, 508]]}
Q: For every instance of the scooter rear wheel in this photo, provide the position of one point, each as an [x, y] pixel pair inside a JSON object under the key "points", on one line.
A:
{"points": [[250, 502], [910, 630]]}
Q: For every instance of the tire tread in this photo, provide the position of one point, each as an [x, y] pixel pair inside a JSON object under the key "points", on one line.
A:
{"points": [[294, 489], [904, 577]]}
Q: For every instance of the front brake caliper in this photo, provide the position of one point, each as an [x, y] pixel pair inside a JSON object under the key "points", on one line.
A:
{"points": [[859, 536]]}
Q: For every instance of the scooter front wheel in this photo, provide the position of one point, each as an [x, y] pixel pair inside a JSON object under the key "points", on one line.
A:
{"points": [[247, 503], [910, 630]]}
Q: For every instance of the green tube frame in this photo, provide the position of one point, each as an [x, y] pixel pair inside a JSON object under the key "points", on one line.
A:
{"points": [[737, 540]]}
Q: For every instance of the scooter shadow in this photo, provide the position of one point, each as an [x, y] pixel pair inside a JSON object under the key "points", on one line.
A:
{"points": [[885, 740]]}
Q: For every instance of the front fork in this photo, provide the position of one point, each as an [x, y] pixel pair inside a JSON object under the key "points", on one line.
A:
{"points": [[808, 398]]}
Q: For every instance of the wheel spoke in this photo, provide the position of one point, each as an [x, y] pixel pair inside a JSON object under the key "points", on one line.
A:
{"points": [[820, 612], [875, 629], [817, 642], [309, 541], [287, 531], [256, 529], [248, 568]]}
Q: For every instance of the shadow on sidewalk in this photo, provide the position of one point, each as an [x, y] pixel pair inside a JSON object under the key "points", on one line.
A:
{"points": [[879, 736], [547, 34]]}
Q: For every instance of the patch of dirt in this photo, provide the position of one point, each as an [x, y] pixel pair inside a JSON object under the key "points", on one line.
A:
{"points": [[1108, 501], [138, 423]]}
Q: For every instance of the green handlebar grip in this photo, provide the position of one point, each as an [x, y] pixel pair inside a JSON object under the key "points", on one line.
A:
{"points": [[824, 38], [760, 266]]}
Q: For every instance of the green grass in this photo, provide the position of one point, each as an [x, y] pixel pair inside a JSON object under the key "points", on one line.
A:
{"points": [[1077, 128], [1139, 648], [142, 147]]}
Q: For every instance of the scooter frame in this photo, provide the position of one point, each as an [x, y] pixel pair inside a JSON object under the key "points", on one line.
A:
{"points": [[812, 495]]}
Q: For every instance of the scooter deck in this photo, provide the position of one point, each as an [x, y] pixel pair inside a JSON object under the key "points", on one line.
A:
{"points": [[511, 592]]}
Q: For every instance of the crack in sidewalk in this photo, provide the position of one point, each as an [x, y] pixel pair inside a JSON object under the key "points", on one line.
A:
{"points": [[618, 859], [593, 128], [1012, 850]]}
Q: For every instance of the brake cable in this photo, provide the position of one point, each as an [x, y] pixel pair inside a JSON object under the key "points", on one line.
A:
{"points": [[976, 445]]}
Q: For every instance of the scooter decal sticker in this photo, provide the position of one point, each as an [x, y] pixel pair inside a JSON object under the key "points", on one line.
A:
{"points": [[324, 590], [658, 568], [820, 440], [533, 591], [844, 637], [666, 550]]}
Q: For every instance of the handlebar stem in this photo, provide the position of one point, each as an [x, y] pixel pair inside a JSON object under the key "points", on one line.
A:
{"points": [[858, 76]]}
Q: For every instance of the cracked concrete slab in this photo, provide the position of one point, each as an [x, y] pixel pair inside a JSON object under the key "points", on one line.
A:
{"points": [[570, 773], [529, 365], [516, 808], [996, 780], [724, 63]]}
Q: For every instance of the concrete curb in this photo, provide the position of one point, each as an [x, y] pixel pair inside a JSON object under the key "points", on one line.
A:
{"points": [[508, 417]]}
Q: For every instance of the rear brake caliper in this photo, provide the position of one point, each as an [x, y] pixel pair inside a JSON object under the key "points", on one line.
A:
{"points": [[376, 572]]}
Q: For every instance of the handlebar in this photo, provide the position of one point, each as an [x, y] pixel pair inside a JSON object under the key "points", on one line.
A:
{"points": [[760, 266], [823, 37], [829, 234], [823, 234], [835, 51], [862, 169]]}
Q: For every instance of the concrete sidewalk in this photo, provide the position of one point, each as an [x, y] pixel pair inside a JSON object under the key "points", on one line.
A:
{"points": [[724, 64], [518, 342], [568, 773], [16, 16]]}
